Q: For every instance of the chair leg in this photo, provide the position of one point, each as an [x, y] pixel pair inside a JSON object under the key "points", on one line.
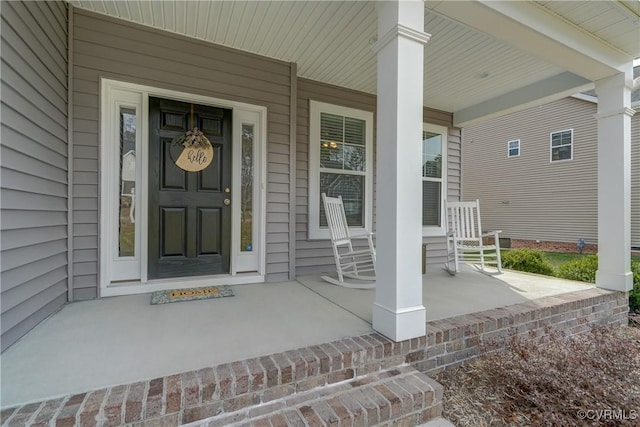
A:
{"points": [[336, 255]]}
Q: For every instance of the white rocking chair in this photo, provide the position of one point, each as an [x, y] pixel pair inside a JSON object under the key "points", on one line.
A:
{"points": [[349, 263], [466, 241]]}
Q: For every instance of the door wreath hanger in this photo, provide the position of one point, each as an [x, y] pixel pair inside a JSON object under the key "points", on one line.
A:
{"points": [[197, 153]]}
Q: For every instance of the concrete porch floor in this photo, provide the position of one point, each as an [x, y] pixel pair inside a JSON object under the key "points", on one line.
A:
{"points": [[99, 343]]}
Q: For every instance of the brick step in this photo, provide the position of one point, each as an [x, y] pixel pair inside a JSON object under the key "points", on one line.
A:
{"points": [[396, 396]]}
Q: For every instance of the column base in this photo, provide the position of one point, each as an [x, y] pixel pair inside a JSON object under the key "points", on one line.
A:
{"points": [[400, 325], [614, 282]]}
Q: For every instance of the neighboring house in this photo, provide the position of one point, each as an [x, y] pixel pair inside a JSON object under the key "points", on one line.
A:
{"points": [[534, 173], [286, 92], [128, 172]]}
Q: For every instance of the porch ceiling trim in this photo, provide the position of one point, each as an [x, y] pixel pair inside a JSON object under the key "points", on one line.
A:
{"points": [[547, 90]]}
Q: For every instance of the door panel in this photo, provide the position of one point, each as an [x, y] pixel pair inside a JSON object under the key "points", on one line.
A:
{"points": [[189, 224], [172, 177], [210, 241], [210, 179], [173, 231]]}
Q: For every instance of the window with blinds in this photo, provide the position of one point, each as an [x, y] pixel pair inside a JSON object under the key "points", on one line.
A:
{"points": [[434, 179], [431, 178], [343, 165], [340, 164]]}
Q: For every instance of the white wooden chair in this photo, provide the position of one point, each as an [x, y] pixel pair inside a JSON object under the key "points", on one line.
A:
{"points": [[466, 241], [353, 264]]}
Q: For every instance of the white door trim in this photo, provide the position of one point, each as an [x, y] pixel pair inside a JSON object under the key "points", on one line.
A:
{"points": [[113, 93]]}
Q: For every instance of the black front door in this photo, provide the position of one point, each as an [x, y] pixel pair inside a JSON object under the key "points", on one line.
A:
{"points": [[189, 222]]}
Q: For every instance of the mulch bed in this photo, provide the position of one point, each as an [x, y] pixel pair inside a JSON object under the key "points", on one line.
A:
{"points": [[592, 379]]}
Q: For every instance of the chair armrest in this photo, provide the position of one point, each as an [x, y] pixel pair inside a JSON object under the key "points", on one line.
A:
{"points": [[363, 235], [491, 233]]}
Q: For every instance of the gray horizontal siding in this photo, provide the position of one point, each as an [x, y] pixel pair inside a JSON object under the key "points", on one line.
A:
{"points": [[437, 246], [315, 256], [106, 47], [635, 180], [33, 215], [528, 197]]}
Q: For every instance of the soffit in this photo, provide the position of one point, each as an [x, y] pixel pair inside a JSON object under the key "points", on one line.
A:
{"points": [[615, 22], [331, 42]]}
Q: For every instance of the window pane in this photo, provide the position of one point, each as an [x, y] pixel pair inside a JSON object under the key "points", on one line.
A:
{"points": [[331, 127], [354, 158], [514, 148], [431, 203], [351, 188], [354, 131], [431, 155], [331, 154], [246, 189], [561, 153], [561, 138], [127, 157]]}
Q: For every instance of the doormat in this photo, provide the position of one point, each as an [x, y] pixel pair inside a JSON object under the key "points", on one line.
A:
{"points": [[190, 294]]}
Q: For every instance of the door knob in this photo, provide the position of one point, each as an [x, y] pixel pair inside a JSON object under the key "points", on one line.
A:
{"points": [[227, 202]]}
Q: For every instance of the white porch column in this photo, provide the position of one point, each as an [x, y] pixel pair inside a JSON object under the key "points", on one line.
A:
{"points": [[614, 182], [398, 312]]}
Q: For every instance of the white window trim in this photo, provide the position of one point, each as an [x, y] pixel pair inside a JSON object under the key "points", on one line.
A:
{"points": [[315, 108], [115, 94], [441, 230], [509, 155], [551, 146]]}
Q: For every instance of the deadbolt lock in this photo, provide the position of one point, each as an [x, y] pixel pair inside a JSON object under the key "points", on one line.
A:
{"points": [[227, 190], [227, 202]]}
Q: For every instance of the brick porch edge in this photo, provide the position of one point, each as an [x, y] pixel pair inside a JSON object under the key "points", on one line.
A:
{"points": [[231, 387]]}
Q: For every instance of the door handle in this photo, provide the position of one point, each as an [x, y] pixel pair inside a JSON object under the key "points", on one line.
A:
{"points": [[227, 202]]}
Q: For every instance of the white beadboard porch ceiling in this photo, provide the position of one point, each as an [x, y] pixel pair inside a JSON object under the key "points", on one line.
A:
{"points": [[331, 41], [615, 22]]}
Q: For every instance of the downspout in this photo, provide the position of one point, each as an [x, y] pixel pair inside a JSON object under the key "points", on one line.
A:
{"points": [[293, 114], [69, 152]]}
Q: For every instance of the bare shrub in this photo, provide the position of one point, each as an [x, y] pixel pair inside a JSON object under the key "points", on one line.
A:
{"points": [[558, 382]]}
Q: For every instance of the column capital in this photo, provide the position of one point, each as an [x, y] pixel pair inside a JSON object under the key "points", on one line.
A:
{"points": [[401, 31], [621, 111]]}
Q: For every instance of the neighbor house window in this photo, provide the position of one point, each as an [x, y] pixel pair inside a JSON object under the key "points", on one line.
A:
{"points": [[562, 145], [513, 148], [434, 173], [340, 145]]}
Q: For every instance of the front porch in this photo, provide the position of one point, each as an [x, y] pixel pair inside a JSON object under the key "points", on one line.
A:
{"points": [[99, 344]]}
